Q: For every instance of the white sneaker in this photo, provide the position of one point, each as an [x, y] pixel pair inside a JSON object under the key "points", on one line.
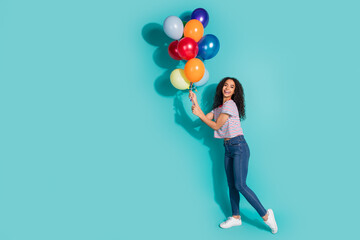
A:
{"points": [[271, 221], [230, 222]]}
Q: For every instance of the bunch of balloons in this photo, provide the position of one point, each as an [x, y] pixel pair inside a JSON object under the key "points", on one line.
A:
{"points": [[190, 45]]}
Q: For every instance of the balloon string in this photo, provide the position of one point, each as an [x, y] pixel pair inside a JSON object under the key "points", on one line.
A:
{"points": [[190, 89]]}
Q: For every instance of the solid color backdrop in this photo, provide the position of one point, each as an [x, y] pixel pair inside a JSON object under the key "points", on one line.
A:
{"points": [[96, 144]]}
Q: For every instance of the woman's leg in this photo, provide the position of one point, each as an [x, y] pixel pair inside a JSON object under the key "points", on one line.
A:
{"points": [[233, 192], [240, 165]]}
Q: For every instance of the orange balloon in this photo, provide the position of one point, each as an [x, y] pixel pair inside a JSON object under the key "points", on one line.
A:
{"points": [[194, 29], [194, 70]]}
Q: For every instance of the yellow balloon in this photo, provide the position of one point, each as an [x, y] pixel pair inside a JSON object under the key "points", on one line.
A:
{"points": [[179, 80]]}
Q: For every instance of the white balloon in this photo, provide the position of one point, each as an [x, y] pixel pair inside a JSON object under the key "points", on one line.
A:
{"points": [[204, 79], [173, 27]]}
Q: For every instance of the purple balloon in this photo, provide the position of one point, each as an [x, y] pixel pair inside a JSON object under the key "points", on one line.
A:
{"points": [[201, 15]]}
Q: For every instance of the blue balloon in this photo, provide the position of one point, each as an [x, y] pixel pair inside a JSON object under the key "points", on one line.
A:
{"points": [[201, 15], [209, 46]]}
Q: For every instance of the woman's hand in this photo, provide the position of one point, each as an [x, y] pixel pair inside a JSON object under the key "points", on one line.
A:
{"points": [[197, 110], [195, 107], [193, 98]]}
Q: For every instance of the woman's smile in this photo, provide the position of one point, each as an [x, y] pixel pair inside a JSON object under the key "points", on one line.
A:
{"points": [[229, 88]]}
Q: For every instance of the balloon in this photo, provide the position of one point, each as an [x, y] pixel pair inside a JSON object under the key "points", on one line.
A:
{"points": [[173, 51], [209, 46], [194, 29], [179, 80], [201, 15], [187, 48], [204, 79], [173, 27], [194, 70]]}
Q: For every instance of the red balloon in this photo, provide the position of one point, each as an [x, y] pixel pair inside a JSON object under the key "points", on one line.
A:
{"points": [[187, 48], [173, 51]]}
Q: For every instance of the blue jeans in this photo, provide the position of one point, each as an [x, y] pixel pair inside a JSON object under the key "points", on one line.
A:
{"points": [[237, 155]]}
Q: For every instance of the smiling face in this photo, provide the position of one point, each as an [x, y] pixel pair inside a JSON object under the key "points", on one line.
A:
{"points": [[228, 88]]}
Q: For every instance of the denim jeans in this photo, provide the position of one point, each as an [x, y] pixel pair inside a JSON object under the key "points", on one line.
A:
{"points": [[237, 155]]}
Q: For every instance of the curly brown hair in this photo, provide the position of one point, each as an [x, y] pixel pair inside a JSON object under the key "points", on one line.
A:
{"points": [[238, 97]]}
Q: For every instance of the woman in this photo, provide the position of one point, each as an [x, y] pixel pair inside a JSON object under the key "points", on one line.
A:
{"points": [[228, 109]]}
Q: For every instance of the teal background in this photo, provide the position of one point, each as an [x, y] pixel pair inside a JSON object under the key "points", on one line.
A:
{"points": [[96, 144]]}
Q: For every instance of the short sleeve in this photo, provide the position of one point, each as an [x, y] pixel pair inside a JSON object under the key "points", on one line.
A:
{"points": [[229, 108]]}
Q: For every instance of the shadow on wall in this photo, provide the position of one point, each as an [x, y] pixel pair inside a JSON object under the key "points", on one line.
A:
{"points": [[154, 35], [201, 131]]}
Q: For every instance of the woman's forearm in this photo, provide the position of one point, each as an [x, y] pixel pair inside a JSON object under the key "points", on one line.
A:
{"points": [[208, 122], [202, 116]]}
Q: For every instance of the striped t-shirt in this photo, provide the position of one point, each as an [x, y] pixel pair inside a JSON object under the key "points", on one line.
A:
{"points": [[232, 126]]}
